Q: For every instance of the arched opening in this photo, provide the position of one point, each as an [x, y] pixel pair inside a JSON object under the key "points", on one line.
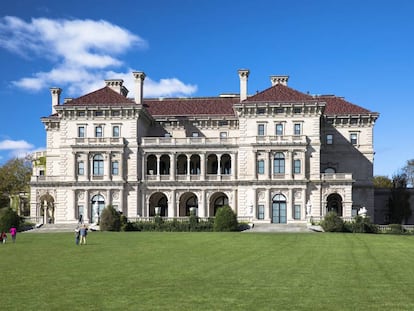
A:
{"points": [[279, 209], [225, 164], [165, 164], [160, 200], [151, 165], [182, 164], [195, 164], [329, 170], [187, 201], [97, 205], [47, 208], [212, 164], [334, 204], [217, 200]]}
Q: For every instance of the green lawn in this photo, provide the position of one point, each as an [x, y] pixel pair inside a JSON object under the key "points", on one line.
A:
{"points": [[207, 271]]}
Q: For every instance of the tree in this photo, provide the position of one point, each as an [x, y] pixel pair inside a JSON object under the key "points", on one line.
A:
{"points": [[8, 219], [226, 219], [110, 219], [399, 209], [408, 170], [14, 179], [382, 182]]}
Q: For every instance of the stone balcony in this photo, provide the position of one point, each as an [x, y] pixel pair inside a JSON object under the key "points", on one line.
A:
{"points": [[187, 141], [281, 140]]}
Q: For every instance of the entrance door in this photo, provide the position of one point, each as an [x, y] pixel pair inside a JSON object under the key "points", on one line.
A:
{"points": [[279, 209]]}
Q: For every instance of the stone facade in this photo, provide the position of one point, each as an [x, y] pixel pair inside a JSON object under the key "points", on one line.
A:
{"points": [[279, 156]]}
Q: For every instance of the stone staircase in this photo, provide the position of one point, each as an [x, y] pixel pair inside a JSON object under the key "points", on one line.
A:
{"points": [[51, 228], [298, 227]]}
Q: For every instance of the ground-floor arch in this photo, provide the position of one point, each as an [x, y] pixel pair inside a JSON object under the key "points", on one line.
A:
{"points": [[217, 200], [334, 204], [47, 208], [97, 206], [187, 201], [160, 200], [279, 209]]}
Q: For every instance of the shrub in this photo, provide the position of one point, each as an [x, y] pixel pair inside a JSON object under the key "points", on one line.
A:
{"points": [[8, 219], [396, 229], [361, 225], [332, 223], [110, 219], [226, 219]]}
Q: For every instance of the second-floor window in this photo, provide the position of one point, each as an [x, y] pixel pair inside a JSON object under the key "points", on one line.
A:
{"points": [[354, 138], [260, 129], [297, 129], [329, 139], [98, 131], [279, 129], [115, 131], [98, 165], [81, 131]]}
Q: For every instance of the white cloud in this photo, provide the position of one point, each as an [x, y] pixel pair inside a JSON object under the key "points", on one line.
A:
{"points": [[15, 149], [8, 144], [80, 58]]}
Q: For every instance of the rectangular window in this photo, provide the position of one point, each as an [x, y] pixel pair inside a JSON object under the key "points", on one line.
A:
{"points": [[115, 131], [98, 131], [296, 166], [354, 138], [115, 168], [81, 113], [260, 211], [297, 110], [81, 131], [296, 211], [279, 129], [297, 130], [195, 134], [329, 139], [261, 167], [116, 113], [260, 129], [81, 168], [261, 110], [98, 113]]}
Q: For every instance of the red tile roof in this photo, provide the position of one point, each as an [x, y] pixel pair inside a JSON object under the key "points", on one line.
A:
{"points": [[216, 106], [102, 97], [281, 93], [213, 106]]}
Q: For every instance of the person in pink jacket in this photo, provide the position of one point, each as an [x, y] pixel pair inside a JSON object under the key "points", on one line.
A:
{"points": [[13, 232]]}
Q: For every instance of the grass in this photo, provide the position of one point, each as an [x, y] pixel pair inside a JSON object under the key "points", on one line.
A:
{"points": [[207, 271]]}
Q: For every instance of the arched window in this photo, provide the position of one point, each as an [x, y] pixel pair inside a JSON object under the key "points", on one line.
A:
{"points": [[220, 202], [98, 204], [98, 165], [279, 163], [279, 209]]}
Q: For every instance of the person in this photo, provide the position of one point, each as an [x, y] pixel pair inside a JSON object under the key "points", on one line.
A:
{"points": [[83, 232], [13, 232], [3, 237], [77, 235], [81, 219]]}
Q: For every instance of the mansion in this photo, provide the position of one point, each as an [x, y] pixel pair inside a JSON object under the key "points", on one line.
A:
{"points": [[278, 156]]}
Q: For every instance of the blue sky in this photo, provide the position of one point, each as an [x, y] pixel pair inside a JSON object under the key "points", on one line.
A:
{"points": [[362, 50]]}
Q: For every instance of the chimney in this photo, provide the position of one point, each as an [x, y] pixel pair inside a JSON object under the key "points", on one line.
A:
{"points": [[243, 75], [279, 80], [55, 92], [139, 86], [117, 86]]}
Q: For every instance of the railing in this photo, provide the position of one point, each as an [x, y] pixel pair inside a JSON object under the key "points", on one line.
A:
{"points": [[170, 141], [336, 176], [281, 139], [98, 141], [184, 218]]}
